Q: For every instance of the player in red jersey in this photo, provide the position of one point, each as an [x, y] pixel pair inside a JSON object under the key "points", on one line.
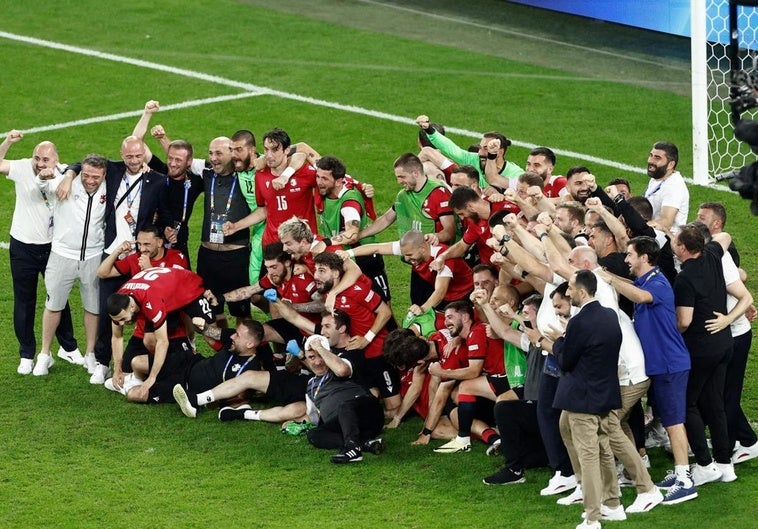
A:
{"points": [[369, 317], [452, 282], [154, 294]]}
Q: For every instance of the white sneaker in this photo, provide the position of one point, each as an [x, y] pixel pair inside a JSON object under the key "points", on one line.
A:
{"points": [[744, 453], [727, 472], [25, 366], [131, 381], [90, 363], [454, 446], [577, 496], [181, 398], [110, 386], [44, 363], [609, 514], [100, 374], [645, 501], [646, 461], [587, 525], [73, 357], [705, 474], [558, 484]]}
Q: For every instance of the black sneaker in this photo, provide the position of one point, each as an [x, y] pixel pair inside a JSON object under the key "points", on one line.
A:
{"points": [[505, 476], [351, 455], [228, 413], [375, 446]]}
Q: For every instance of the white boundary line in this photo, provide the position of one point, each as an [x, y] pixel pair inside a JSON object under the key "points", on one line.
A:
{"points": [[262, 90], [135, 113]]}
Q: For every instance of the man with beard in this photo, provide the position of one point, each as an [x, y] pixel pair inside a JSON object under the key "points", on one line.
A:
{"points": [[368, 327], [666, 190], [342, 215], [541, 161], [475, 212], [31, 236], [576, 183], [184, 181]]}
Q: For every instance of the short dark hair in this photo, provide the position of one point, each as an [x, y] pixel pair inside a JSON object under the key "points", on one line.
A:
{"points": [[246, 136], [671, 150], [341, 318], [402, 349], [644, 245], [577, 169], [152, 229], [504, 142], [691, 238], [532, 179], [534, 300], [409, 162], [560, 290], [462, 197], [117, 302], [586, 280], [255, 328], [275, 251], [620, 181], [182, 145], [642, 205], [331, 260], [333, 164], [469, 170], [97, 161], [543, 151], [461, 306], [484, 267], [718, 210], [278, 137]]}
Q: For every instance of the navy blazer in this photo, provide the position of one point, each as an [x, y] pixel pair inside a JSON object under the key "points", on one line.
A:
{"points": [[588, 354]]}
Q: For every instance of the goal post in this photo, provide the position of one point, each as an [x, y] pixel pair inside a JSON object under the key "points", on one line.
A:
{"points": [[724, 53]]}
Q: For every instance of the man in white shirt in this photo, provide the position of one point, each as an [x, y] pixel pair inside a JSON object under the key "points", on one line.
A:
{"points": [[666, 190], [31, 234], [78, 241]]}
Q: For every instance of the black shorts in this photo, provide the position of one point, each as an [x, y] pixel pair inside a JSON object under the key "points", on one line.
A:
{"points": [[379, 374], [285, 388], [178, 356], [498, 383], [223, 272], [373, 267]]}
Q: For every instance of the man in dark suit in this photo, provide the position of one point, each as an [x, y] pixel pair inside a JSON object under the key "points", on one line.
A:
{"points": [[134, 198], [587, 392]]}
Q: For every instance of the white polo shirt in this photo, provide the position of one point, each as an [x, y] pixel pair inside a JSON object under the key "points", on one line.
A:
{"points": [[32, 214]]}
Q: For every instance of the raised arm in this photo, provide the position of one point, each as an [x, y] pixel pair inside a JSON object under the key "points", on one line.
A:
{"points": [[13, 136], [140, 129]]}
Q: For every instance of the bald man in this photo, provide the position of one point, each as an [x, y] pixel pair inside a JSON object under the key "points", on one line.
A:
{"points": [[223, 259], [31, 238]]}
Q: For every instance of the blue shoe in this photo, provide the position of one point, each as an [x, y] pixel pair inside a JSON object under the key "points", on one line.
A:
{"points": [[668, 482], [679, 493]]}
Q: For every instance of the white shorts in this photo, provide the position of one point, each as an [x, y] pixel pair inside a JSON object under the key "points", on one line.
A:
{"points": [[60, 275]]}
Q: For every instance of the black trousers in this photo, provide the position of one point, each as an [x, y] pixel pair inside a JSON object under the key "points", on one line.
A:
{"points": [[705, 406], [359, 420], [548, 418], [28, 263], [519, 428], [736, 422]]}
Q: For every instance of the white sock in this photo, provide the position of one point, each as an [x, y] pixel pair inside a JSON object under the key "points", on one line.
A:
{"points": [[466, 439], [683, 474], [252, 415], [206, 397]]}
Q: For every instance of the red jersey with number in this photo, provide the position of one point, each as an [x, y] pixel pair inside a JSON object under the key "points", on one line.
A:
{"points": [[360, 302], [129, 266], [161, 291], [295, 200], [478, 232], [479, 347]]}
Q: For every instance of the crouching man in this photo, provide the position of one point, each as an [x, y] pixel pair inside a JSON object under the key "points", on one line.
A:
{"points": [[346, 415]]}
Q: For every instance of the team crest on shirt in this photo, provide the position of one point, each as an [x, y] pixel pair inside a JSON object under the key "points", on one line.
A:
{"points": [[148, 305], [293, 182], [343, 300], [102, 198]]}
